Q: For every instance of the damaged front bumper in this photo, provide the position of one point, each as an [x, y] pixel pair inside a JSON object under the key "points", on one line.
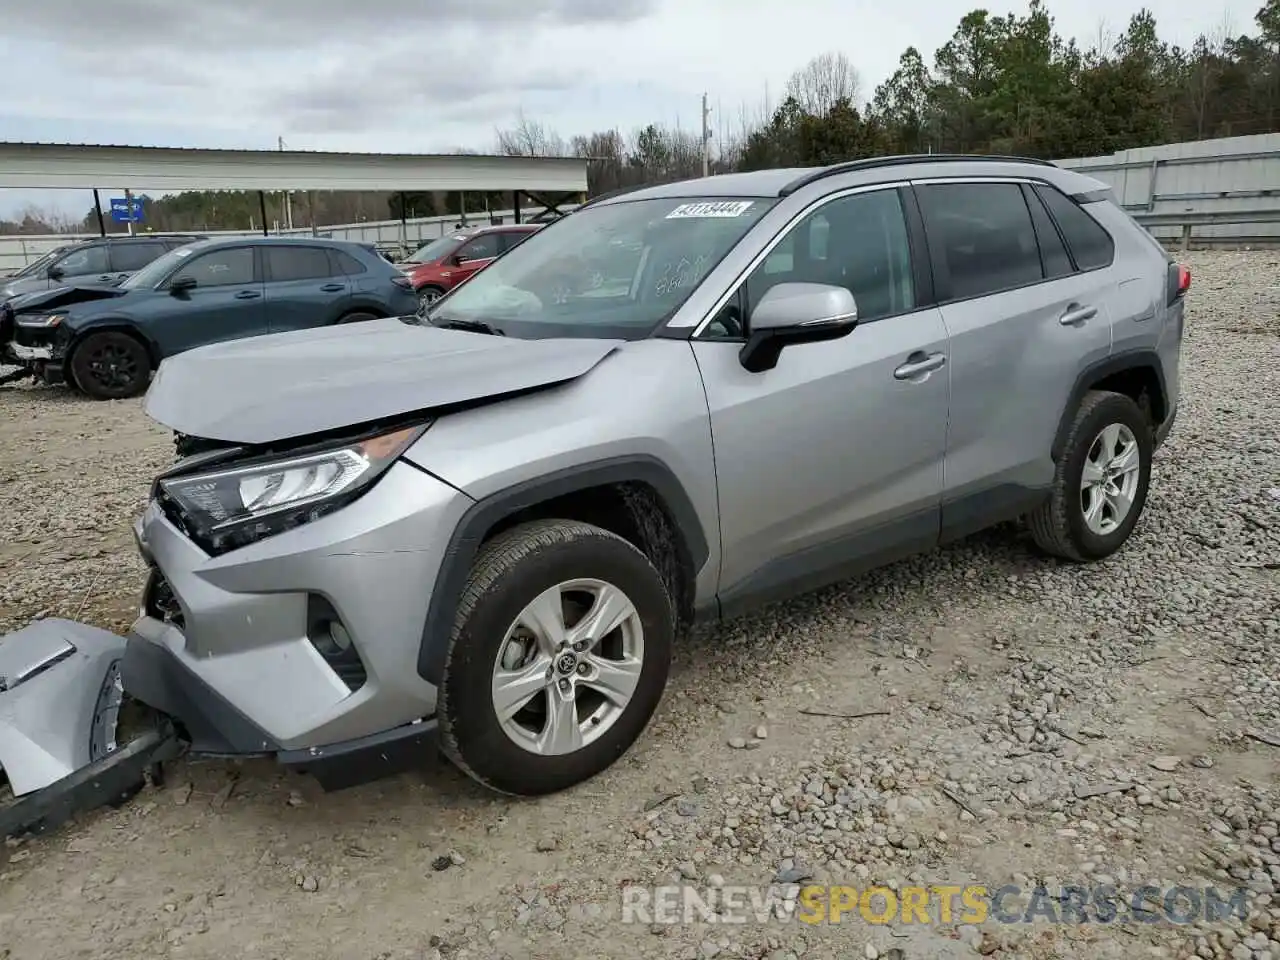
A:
{"points": [[213, 727], [40, 351], [61, 699]]}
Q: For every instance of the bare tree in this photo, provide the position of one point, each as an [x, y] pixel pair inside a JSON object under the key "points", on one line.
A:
{"points": [[529, 138], [823, 82]]}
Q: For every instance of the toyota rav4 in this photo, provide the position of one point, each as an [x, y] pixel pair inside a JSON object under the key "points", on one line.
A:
{"points": [[490, 524]]}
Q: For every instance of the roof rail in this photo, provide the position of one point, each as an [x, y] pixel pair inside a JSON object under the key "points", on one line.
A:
{"points": [[872, 163]]}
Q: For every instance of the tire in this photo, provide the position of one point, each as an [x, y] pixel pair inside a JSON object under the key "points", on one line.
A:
{"points": [[426, 296], [358, 316], [1060, 526], [509, 573], [111, 366]]}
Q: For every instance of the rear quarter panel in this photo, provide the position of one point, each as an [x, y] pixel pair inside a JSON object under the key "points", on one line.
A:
{"points": [[1141, 320]]}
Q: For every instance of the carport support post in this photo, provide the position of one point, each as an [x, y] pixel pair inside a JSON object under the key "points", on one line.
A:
{"points": [[262, 206], [404, 223], [515, 202], [97, 208]]}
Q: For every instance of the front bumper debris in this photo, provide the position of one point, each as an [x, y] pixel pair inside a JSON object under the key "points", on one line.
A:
{"points": [[60, 705], [30, 354], [60, 695]]}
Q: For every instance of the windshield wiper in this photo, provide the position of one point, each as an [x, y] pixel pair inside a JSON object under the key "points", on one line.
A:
{"points": [[474, 326]]}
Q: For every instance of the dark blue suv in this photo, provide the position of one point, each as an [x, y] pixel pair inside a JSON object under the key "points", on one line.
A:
{"points": [[107, 340]]}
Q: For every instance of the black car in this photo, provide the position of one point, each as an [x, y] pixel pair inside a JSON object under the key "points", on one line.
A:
{"points": [[106, 260], [107, 340]]}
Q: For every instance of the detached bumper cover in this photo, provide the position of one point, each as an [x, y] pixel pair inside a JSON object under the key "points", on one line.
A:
{"points": [[60, 696]]}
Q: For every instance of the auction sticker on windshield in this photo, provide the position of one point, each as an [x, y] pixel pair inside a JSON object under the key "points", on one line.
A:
{"points": [[722, 208]]}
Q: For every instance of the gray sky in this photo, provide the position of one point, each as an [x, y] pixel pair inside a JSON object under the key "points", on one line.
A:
{"points": [[434, 75]]}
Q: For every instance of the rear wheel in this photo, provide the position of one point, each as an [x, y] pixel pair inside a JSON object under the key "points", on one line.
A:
{"points": [[111, 366], [1101, 482], [558, 659]]}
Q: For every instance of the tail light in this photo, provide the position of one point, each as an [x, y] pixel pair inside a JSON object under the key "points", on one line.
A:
{"points": [[404, 283], [1179, 282]]}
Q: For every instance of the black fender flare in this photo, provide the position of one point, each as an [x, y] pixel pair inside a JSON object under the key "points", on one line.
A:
{"points": [[1140, 359], [482, 515]]}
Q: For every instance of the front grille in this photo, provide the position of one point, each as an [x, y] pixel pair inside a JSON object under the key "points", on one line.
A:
{"points": [[32, 336], [161, 603]]}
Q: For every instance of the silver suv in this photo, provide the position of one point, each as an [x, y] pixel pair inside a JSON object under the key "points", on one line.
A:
{"points": [[492, 524]]}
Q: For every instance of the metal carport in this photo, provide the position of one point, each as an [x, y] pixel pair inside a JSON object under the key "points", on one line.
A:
{"points": [[550, 181]]}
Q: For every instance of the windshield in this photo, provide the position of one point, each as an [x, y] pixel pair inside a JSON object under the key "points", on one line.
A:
{"points": [[35, 266], [436, 248], [156, 270], [617, 270]]}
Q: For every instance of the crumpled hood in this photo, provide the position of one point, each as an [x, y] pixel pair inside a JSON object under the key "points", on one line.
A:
{"points": [[65, 296], [282, 386]]}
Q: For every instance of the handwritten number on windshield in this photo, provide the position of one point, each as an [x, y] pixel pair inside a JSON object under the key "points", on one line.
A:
{"points": [[676, 276]]}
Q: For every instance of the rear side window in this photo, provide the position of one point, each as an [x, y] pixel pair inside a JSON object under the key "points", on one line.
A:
{"points": [[1053, 252], [981, 237], [346, 263], [297, 263], [127, 257], [1090, 244]]}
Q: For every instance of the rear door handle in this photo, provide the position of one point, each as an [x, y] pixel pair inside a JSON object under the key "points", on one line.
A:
{"points": [[248, 295], [1077, 314], [333, 287], [919, 363]]}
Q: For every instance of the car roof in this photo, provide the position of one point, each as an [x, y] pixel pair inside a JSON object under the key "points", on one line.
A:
{"points": [[215, 242], [496, 228], [869, 171]]}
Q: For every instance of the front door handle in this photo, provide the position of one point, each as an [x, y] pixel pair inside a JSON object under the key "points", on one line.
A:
{"points": [[919, 363], [333, 287], [248, 295], [1077, 314]]}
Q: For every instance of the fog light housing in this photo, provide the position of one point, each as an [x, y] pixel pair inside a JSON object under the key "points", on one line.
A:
{"points": [[329, 635]]}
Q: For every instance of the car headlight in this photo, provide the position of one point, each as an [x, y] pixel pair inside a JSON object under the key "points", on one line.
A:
{"points": [[40, 320], [229, 508]]}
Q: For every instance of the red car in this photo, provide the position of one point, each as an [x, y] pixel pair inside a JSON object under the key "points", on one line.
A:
{"points": [[442, 264]]}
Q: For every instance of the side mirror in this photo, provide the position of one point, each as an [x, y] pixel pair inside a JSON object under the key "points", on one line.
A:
{"points": [[792, 313], [181, 284], [55, 272], [456, 260]]}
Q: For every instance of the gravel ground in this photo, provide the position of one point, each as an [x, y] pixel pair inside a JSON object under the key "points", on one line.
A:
{"points": [[1041, 724]]}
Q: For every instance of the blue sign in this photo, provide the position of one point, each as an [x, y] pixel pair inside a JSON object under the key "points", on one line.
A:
{"points": [[126, 209]]}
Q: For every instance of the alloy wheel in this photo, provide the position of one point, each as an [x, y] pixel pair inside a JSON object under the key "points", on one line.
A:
{"points": [[1109, 481], [112, 367], [568, 667]]}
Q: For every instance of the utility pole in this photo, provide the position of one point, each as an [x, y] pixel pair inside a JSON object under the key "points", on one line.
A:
{"points": [[706, 137], [288, 200], [128, 206]]}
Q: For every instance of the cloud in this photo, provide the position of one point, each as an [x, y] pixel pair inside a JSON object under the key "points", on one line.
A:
{"points": [[240, 25], [320, 66]]}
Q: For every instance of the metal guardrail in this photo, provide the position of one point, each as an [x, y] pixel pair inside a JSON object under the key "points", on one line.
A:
{"points": [[1190, 219]]}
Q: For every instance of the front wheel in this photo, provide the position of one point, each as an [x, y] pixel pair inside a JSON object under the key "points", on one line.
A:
{"points": [[558, 659], [111, 366], [1100, 486], [427, 296]]}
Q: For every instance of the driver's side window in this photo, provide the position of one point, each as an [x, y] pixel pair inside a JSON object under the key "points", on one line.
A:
{"points": [[232, 267], [858, 242]]}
